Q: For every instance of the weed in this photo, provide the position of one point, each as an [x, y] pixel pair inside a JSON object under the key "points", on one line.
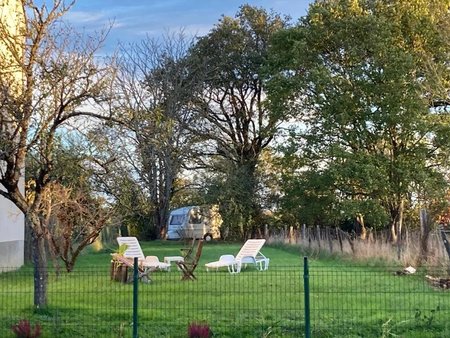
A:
{"points": [[386, 329], [426, 320]]}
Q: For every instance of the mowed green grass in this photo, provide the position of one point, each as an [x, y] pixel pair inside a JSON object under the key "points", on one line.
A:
{"points": [[347, 299]]}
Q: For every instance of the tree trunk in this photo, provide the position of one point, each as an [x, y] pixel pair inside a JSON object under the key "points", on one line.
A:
{"points": [[163, 216], [360, 220], [393, 233], [398, 225], [28, 250], [40, 267], [425, 229], [157, 221], [397, 222], [318, 236]]}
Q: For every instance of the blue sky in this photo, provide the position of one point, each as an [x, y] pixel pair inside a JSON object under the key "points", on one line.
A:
{"points": [[134, 19]]}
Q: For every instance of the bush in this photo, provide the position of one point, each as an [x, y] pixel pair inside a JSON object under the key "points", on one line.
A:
{"points": [[23, 329]]}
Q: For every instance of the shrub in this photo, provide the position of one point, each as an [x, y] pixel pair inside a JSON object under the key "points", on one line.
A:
{"points": [[196, 330], [23, 329]]}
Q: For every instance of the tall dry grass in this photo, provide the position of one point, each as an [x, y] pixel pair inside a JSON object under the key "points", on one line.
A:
{"points": [[376, 245]]}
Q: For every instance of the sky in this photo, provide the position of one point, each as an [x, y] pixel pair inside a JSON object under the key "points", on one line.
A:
{"points": [[133, 20]]}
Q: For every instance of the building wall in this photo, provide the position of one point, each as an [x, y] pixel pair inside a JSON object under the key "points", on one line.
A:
{"points": [[11, 218], [11, 236]]}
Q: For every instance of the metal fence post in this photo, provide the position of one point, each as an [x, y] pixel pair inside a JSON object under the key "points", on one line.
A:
{"points": [[306, 290], [135, 297]]}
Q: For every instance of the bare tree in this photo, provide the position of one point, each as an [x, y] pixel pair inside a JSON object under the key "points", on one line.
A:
{"points": [[73, 220], [60, 78], [154, 87]]}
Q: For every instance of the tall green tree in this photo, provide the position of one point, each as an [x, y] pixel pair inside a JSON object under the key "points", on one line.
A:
{"points": [[369, 81], [229, 108]]}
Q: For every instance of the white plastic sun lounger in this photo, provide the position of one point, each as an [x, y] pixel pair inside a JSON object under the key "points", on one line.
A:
{"points": [[224, 261], [249, 254], [134, 250]]}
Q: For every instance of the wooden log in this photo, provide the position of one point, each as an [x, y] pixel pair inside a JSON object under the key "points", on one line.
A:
{"points": [[318, 236], [339, 237], [119, 272]]}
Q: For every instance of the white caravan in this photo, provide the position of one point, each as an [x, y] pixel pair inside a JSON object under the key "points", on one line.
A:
{"points": [[194, 222]]}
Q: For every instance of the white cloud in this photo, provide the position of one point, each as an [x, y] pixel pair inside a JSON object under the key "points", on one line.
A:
{"points": [[84, 17], [134, 19]]}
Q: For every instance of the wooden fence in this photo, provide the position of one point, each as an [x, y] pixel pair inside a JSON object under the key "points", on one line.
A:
{"points": [[377, 244]]}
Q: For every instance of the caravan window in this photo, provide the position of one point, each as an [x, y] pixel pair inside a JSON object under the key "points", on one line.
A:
{"points": [[176, 219]]}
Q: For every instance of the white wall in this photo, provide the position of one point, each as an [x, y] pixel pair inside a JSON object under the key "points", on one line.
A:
{"points": [[12, 233]]}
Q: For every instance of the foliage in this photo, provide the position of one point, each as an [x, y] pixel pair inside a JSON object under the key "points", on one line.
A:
{"points": [[368, 81], [130, 202], [230, 107], [230, 191], [424, 319], [122, 248]]}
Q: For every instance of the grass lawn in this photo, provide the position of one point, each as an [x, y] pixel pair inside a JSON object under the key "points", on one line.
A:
{"points": [[347, 300]]}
